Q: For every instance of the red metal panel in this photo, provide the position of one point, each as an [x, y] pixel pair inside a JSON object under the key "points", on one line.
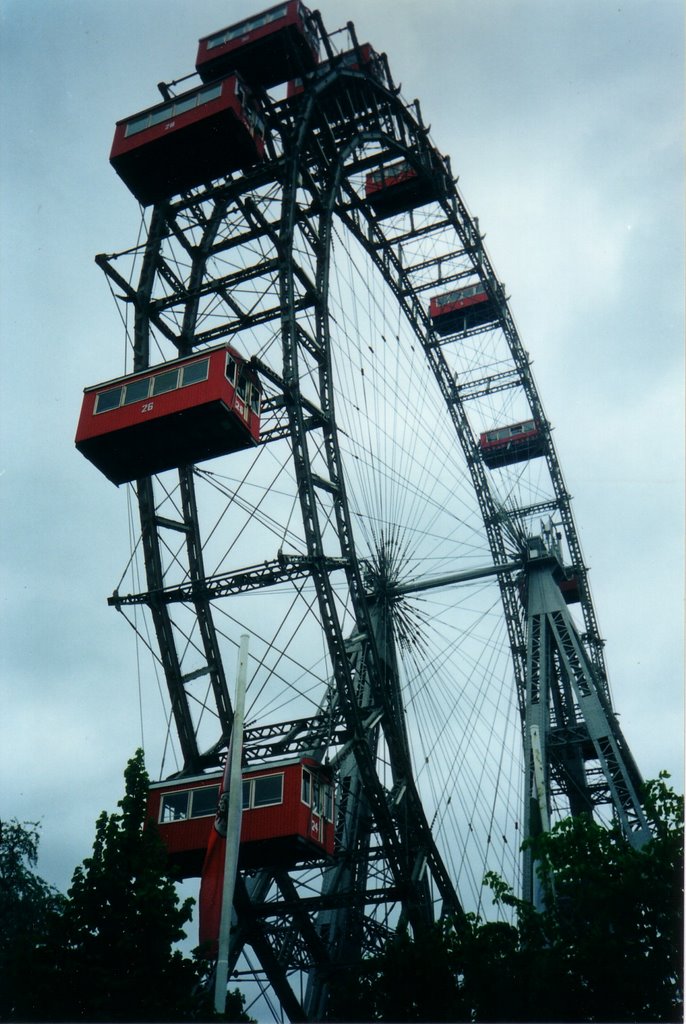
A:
{"points": [[187, 148], [348, 60], [280, 834], [123, 143], [529, 444], [289, 818], [152, 807], [462, 311], [185, 839], [386, 178], [397, 188], [191, 423], [181, 837], [264, 50], [215, 387], [437, 310]]}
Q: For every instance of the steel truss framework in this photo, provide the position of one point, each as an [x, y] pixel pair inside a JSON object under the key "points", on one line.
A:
{"points": [[255, 258]]}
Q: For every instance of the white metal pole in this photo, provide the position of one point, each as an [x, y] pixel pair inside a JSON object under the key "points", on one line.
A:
{"points": [[233, 829]]}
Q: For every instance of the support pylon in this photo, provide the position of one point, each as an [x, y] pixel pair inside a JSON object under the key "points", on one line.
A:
{"points": [[576, 758]]}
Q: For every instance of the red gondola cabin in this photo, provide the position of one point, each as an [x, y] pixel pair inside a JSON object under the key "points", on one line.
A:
{"points": [[171, 415], [364, 57], [266, 49], [516, 443], [396, 188], [570, 588], [461, 309], [196, 137], [287, 819]]}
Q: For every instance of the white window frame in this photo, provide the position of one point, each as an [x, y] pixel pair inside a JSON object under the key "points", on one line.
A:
{"points": [[251, 805], [189, 794]]}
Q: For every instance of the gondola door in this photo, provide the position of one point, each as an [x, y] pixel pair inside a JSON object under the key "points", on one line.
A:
{"points": [[242, 402], [312, 798], [316, 827]]}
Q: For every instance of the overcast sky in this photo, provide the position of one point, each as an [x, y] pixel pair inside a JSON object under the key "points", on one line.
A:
{"points": [[564, 122]]}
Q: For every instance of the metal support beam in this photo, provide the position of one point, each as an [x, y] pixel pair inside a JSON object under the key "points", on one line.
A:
{"points": [[255, 577], [573, 746], [415, 586]]}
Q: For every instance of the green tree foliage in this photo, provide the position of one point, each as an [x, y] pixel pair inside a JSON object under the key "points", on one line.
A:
{"points": [[614, 914], [26, 904], [107, 951], [607, 947]]}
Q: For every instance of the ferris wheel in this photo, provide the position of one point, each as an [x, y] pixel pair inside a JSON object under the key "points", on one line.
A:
{"points": [[390, 526]]}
